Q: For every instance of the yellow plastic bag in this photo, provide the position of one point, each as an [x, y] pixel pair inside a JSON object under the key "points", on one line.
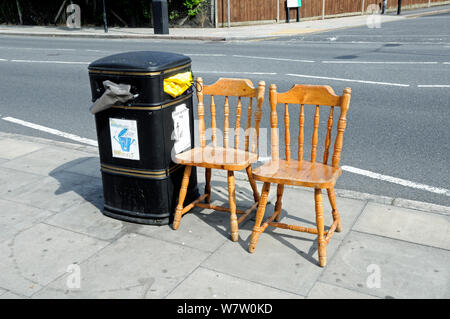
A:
{"points": [[178, 83]]}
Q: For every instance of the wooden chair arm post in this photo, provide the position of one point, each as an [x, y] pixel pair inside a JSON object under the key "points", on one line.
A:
{"points": [[342, 123], [201, 111]]}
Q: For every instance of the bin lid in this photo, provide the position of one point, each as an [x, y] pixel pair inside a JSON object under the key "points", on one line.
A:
{"points": [[140, 61]]}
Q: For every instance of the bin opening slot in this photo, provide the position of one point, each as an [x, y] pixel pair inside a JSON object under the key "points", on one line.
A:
{"points": [[114, 94]]}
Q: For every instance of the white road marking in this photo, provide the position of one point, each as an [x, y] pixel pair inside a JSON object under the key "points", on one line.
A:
{"points": [[433, 86], [377, 62], [264, 159], [38, 61], [52, 131], [34, 49], [269, 58], [3, 60], [350, 169], [348, 80], [203, 54], [395, 180], [231, 72], [446, 62]]}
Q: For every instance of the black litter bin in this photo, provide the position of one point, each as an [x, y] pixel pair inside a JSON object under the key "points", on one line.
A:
{"points": [[141, 183]]}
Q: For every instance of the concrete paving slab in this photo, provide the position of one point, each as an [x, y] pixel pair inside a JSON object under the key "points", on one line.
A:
{"points": [[2, 291], [134, 266], [405, 224], [55, 193], [326, 291], [15, 217], [11, 295], [13, 148], [389, 268], [47, 160], [208, 284], [11, 179], [40, 254], [296, 251], [88, 219], [89, 167], [204, 229]]}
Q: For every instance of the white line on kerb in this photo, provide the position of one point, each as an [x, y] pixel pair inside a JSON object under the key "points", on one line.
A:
{"points": [[52, 131], [348, 80], [36, 61], [396, 180], [269, 58]]}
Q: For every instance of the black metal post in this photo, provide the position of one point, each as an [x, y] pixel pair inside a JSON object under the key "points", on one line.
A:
{"points": [[160, 17], [399, 7], [105, 23], [298, 14], [287, 13]]}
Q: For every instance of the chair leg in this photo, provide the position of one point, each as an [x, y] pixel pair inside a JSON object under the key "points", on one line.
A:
{"points": [[259, 217], [182, 196], [335, 212], [208, 185], [320, 227], [280, 190], [252, 183], [232, 202]]}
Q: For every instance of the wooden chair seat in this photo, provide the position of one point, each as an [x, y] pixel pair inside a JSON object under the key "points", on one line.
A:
{"points": [[303, 173], [227, 158], [217, 157]]}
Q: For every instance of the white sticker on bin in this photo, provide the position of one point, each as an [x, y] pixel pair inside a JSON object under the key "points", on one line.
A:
{"points": [[181, 131], [124, 138]]}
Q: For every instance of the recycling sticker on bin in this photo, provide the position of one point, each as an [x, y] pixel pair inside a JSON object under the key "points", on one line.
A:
{"points": [[181, 132], [124, 138]]}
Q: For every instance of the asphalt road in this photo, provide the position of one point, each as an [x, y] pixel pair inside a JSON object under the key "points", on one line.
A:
{"points": [[398, 124]]}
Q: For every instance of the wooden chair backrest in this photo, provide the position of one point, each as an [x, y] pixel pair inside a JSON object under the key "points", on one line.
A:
{"points": [[240, 88], [318, 95]]}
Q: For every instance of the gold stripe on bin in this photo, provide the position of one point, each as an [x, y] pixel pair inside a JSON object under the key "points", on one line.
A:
{"points": [[138, 173], [140, 73], [151, 108]]}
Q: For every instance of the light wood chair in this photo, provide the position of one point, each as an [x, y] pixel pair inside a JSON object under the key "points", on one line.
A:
{"points": [[226, 157], [302, 172]]}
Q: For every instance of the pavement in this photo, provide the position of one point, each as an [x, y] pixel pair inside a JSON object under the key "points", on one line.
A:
{"points": [[259, 31], [56, 243]]}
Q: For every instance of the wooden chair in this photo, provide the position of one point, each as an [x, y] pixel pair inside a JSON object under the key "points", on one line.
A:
{"points": [[225, 158], [302, 172]]}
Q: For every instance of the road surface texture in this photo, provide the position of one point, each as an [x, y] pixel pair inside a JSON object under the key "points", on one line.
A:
{"points": [[397, 138]]}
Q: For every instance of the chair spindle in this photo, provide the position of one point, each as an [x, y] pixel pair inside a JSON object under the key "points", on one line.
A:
{"points": [[249, 124], [315, 137], [213, 122], [301, 134], [287, 136], [328, 137], [226, 122], [238, 123]]}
